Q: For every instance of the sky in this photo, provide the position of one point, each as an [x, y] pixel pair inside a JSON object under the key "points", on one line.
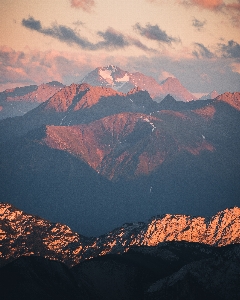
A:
{"points": [[197, 41]]}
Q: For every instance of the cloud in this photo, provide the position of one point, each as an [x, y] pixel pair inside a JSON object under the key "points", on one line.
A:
{"points": [[59, 32], [232, 49], [86, 5], [198, 24], [21, 68], [231, 10], [201, 51], [33, 24], [35, 67], [164, 75], [153, 32], [111, 39], [207, 4]]}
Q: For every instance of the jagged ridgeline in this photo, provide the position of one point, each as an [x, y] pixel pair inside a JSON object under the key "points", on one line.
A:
{"points": [[129, 262]]}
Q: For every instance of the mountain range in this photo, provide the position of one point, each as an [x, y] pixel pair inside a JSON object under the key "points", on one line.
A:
{"points": [[145, 178], [136, 261], [124, 81], [94, 158], [17, 101]]}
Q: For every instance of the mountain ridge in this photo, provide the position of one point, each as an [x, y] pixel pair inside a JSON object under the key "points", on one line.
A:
{"points": [[24, 234], [113, 76]]}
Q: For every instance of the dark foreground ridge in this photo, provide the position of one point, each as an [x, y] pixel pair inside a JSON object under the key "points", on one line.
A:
{"points": [[173, 270]]}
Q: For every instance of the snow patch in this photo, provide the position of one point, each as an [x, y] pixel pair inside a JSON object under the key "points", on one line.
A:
{"points": [[106, 74]]}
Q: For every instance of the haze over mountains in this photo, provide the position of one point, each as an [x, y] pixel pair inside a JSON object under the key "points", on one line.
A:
{"points": [[94, 158], [18, 101], [114, 77]]}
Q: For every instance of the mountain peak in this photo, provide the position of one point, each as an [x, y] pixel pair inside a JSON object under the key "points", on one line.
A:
{"points": [[232, 99], [173, 86], [77, 96]]}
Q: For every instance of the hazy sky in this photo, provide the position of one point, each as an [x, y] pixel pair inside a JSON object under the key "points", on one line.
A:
{"points": [[197, 41]]}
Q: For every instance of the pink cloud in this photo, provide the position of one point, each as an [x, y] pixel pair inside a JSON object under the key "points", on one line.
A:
{"points": [[86, 5], [36, 67], [209, 4]]}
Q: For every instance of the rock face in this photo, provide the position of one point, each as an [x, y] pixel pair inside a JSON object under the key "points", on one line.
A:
{"points": [[24, 234], [114, 77]]}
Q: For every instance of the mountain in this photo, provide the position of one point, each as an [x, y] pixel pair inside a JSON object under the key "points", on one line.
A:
{"points": [[232, 99], [18, 101], [114, 77], [128, 144], [141, 269], [173, 86], [76, 104], [211, 95], [24, 234], [120, 158]]}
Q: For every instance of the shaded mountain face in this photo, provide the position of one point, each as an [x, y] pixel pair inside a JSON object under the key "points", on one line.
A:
{"points": [[18, 101], [24, 234], [114, 77], [125, 166], [169, 270]]}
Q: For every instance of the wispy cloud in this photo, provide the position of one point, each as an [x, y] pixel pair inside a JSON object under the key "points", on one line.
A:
{"points": [[232, 10], [59, 32], [202, 52], [199, 25], [86, 5], [231, 49], [111, 39], [153, 32]]}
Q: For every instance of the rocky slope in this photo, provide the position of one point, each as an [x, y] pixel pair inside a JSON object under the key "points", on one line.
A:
{"points": [[24, 234], [114, 77]]}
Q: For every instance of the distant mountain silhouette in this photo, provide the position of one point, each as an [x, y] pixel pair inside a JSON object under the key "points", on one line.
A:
{"points": [[18, 101], [211, 95]]}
